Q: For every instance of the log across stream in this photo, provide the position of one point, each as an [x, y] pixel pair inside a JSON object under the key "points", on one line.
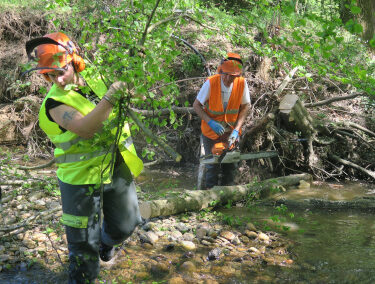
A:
{"points": [[195, 200]]}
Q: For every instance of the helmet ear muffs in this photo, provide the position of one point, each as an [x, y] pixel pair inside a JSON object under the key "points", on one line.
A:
{"points": [[78, 62]]}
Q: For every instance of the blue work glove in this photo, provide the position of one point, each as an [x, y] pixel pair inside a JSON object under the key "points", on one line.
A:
{"points": [[217, 127], [233, 138]]}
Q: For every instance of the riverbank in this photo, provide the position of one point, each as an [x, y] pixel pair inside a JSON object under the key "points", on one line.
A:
{"points": [[205, 246]]}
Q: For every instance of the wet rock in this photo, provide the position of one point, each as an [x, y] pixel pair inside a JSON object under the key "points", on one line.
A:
{"points": [[237, 259], [175, 235], [201, 232], [39, 237], [262, 249], [214, 254], [251, 227], [147, 246], [227, 235], [160, 233], [263, 237], [4, 257], [29, 243], [142, 275], [187, 245], [131, 243], [176, 280], [182, 227], [251, 234], [212, 234], [9, 220], [222, 241], [188, 254], [245, 239], [148, 237], [188, 237], [39, 205], [236, 241], [223, 271], [188, 266], [150, 226], [53, 204], [35, 196], [160, 269], [153, 238], [204, 225], [206, 243], [159, 257], [169, 247], [254, 250]]}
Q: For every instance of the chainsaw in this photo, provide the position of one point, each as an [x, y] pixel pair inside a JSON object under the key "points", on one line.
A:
{"points": [[222, 153]]}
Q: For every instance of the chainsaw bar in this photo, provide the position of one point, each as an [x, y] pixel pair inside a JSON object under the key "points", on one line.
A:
{"points": [[236, 156]]}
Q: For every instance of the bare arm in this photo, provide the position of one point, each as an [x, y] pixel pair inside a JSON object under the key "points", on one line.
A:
{"points": [[243, 111], [84, 126], [198, 107]]}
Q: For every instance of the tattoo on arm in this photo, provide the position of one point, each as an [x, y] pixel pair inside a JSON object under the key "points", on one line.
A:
{"points": [[68, 117]]}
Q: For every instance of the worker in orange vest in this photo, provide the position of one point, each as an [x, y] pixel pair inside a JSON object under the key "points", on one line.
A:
{"points": [[223, 103]]}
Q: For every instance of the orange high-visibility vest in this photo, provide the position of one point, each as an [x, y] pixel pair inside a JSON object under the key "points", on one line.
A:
{"points": [[214, 105]]}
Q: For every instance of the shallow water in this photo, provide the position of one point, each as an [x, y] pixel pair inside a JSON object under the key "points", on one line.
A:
{"points": [[328, 247]]}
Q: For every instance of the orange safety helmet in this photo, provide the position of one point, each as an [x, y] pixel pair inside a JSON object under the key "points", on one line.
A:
{"points": [[53, 52], [231, 65]]}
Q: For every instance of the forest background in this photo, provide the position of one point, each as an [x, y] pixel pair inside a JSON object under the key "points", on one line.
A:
{"points": [[321, 51]]}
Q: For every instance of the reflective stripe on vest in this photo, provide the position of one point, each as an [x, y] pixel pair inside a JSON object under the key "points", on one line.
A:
{"points": [[78, 157], [212, 112], [66, 145]]}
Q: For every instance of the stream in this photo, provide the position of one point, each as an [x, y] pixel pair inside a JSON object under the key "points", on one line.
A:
{"points": [[315, 245]]}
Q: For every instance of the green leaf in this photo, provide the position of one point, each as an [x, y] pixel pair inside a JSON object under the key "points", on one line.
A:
{"points": [[357, 28], [355, 10]]}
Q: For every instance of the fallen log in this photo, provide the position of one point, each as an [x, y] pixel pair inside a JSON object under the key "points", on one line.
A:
{"points": [[195, 200]]}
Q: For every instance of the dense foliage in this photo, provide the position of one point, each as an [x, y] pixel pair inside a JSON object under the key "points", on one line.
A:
{"points": [[133, 41]]}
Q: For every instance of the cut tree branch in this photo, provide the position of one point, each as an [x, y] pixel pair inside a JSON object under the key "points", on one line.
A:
{"points": [[285, 82], [165, 111], [176, 156], [331, 100], [355, 166]]}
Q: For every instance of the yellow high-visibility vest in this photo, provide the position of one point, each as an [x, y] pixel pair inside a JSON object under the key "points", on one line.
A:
{"points": [[80, 160]]}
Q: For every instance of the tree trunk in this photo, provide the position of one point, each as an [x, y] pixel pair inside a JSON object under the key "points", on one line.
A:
{"points": [[195, 200], [367, 18]]}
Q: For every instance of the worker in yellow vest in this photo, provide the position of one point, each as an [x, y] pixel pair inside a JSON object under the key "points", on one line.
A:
{"points": [[223, 103], [72, 115]]}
